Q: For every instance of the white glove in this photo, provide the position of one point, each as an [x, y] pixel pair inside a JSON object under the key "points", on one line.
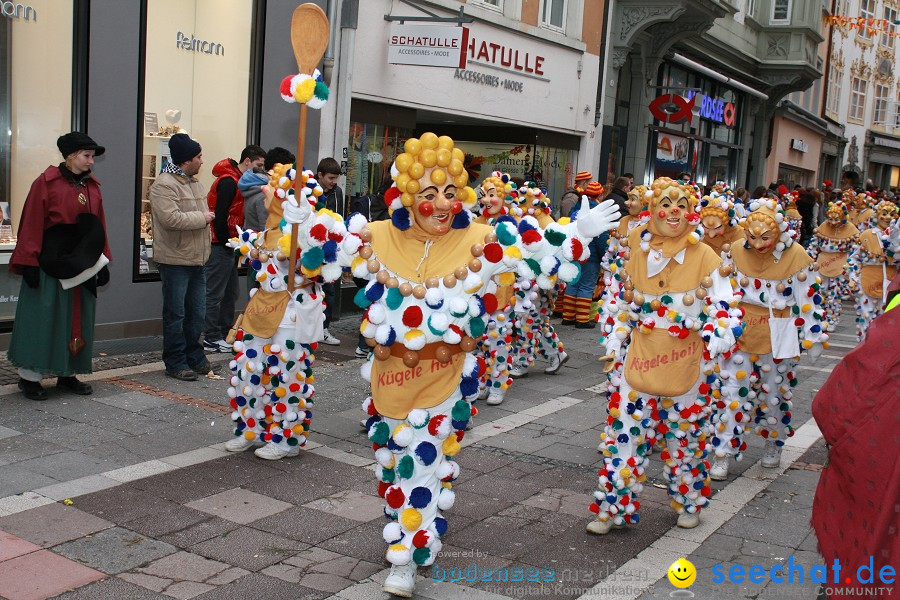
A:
{"points": [[815, 352], [294, 213], [894, 235], [717, 346], [594, 221], [613, 345]]}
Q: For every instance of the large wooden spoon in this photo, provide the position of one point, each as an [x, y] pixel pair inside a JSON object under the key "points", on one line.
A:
{"points": [[309, 38]]}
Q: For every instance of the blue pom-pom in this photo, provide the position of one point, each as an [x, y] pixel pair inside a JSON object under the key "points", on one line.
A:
{"points": [[256, 265], [623, 438], [635, 518], [254, 379], [374, 291], [612, 498], [391, 338], [241, 401], [276, 438], [426, 453], [360, 299], [420, 497], [459, 425], [461, 220], [440, 525], [525, 226], [251, 353], [392, 445], [468, 386], [272, 360], [330, 249], [400, 219]]}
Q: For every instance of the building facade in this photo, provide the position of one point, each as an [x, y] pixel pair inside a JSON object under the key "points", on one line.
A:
{"points": [[862, 89], [729, 62]]}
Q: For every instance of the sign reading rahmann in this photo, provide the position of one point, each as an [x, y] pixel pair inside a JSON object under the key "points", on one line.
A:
{"points": [[425, 45], [15, 10]]}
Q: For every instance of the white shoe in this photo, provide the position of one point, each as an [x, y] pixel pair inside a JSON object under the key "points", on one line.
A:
{"points": [[495, 397], [688, 520], [601, 447], [470, 423], [360, 353], [771, 455], [719, 468], [362, 424], [556, 363], [329, 339], [216, 345], [239, 444], [598, 527], [401, 580], [485, 391], [273, 452], [518, 372]]}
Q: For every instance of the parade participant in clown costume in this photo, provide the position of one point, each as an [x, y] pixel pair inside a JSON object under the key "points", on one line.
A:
{"points": [[271, 385], [860, 211], [672, 315], [783, 312], [872, 269], [720, 227], [579, 296], [496, 345], [532, 331], [425, 307], [792, 214], [832, 244]]}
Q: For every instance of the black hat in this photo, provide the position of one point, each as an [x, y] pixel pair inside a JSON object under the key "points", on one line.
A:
{"points": [[75, 141], [68, 249], [183, 148]]}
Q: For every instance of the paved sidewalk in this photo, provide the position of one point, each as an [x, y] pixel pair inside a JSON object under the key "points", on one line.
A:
{"points": [[128, 494]]}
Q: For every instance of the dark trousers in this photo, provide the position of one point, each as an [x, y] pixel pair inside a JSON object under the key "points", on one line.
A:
{"points": [[328, 290], [221, 292], [184, 309]]}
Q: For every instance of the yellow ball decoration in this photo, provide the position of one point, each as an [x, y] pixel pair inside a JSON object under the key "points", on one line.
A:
{"points": [[413, 186], [428, 158], [411, 519], [407, 199], [438, 177], [458, 155], [429, 141], [413, 146], [416, 170], [446, 142], [443, 157], [304, 91], [455, 167], [402, 180], [460, 181], [403, 162]]}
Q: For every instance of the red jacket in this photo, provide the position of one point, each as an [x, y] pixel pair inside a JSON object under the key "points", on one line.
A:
{"points": [[53, 200], [229, 209]]}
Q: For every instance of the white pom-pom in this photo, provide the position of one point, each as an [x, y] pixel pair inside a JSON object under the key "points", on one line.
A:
{"points": [[439, 322], [433, 296], [403, 435], [544, 282], [446, 499], [470, 365], [451, 337], [384, 457], [472, 283], [376, 314], [351, 244], [331, 271], [356, 224], [568, 272], [417, 417], [383, 333], [398, 555], [365, 371], [444, 470], [458, 307], [392, 532], [361, 270], [475, 307]]}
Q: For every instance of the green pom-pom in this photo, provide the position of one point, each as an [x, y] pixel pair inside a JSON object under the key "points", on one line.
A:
{"points": [[405, 467], [461, 411], [289, 343], [617, 425], [292, 441], [505, 236], [313, 258], [476, 326], [379, 433], [321, 91], [394, 299], [533, 265], [360, 299], [421, 555], [388, 475], [555, 238], [743, 392]]}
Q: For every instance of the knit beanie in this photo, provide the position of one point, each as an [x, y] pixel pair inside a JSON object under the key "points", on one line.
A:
{"points": [[183, 148]]}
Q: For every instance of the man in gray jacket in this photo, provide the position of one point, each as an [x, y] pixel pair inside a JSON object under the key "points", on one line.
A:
{"points": [[181, 246]]}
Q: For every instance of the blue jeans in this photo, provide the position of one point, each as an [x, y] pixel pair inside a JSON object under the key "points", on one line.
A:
{"points": [[184, 309], [221, 292], [584, 287]]}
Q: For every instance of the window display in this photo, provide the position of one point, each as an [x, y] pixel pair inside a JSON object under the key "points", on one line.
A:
{"points": [[196, 81]]}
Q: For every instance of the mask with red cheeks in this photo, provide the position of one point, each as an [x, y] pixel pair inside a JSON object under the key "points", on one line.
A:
{"points": [[762, 236], [492, 201], [435, 205], [671, 215]]}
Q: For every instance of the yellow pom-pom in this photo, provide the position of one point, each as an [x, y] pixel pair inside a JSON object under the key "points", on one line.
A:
{"points": [[249, 435], [450, 446], [564, 221], [806, 308], [741, 374], [513, 252], [508, 278], [413, 186], [807, 344], [280, 392], [304, 91]]}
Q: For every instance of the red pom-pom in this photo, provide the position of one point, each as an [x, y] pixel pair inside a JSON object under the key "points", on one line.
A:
{"points": [[392, 194], [434, 423], [493, 252], [383, 488], [394, 497], [490, 303], [318, 232], [531, 236], [577, 248], [421, 539], [594, 508], [285, 87], [412, 316], [281, 407]]}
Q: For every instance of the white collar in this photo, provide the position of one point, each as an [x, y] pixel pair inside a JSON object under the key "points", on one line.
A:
{"points": [[656, 265]]}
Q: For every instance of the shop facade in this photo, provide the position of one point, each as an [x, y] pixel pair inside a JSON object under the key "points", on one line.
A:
{"points": [[883, 156], [796, 156]]}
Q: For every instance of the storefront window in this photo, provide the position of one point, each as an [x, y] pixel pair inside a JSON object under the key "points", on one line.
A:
{"points": [[196, 81], [35, 109], [674, 155], [373, 149], [721, 165]]}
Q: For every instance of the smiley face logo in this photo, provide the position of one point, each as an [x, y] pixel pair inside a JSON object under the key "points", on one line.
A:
{"points": [[682, 573]]}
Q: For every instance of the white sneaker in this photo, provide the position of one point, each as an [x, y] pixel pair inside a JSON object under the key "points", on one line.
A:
{"points": [[239, 444], [273, 452], [360, 353], [362, 424], [687, 520], [401, 580], [470, 423], [518, 372], [556, 363], [216, 345], [598, 527], [329, 339], [771, 455], [495, 397], [719, 469], [485, 391]]}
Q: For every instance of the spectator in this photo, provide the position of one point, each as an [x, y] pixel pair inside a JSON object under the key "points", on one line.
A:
{"points": [[849, 180], [181, 246], [630, 177], [572, 196], [619, 193], [758, 192], [685, 177], [53, 332], [278, 155], [327, 174], [221, 272], [250, 185]]}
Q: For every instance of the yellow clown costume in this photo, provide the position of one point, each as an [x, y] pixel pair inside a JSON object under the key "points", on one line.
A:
{"points": [[425, 308], [271, 386], [781, 299], [720, 224], [872, 269], [672, 313], [832, 243]]}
